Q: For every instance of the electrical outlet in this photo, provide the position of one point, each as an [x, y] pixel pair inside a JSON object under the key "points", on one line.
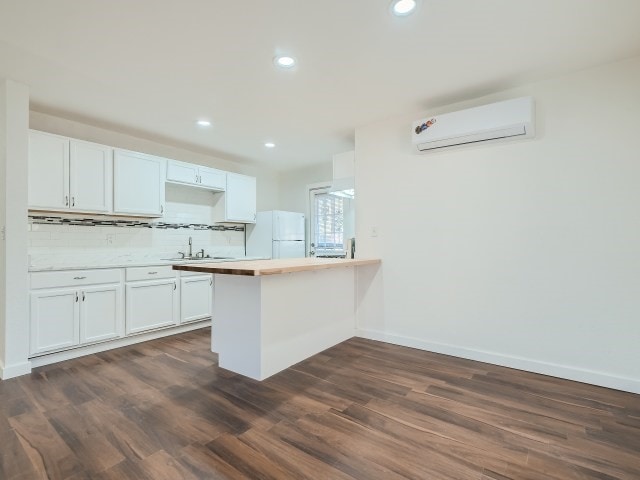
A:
{"points": [[374, 231], [110, 239]]}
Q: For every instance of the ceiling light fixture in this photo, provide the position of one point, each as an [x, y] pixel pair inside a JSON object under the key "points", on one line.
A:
{"points": [[284, 61], [270, 145], [402, 8], [203, 123]]}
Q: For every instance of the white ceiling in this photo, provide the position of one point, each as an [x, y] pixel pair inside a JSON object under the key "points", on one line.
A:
{"points": [[153, 67]]}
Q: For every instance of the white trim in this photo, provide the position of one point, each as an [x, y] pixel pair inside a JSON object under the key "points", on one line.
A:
{"points": [[520, 363], [12, 371], [121, 342]]}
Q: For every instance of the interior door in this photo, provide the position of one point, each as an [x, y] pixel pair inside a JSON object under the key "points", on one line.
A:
{"points": [[312, 241]]}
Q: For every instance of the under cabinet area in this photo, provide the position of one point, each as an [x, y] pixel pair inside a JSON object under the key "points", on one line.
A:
{"points": [[74, 308], [69, 175]]}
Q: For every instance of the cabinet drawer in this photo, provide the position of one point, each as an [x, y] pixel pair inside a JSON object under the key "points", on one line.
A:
{"points": [[186, 273], [150, 273], [73, 278]]}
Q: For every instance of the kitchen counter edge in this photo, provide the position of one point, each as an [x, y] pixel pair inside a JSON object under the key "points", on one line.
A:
{"points": [[256, 268]]}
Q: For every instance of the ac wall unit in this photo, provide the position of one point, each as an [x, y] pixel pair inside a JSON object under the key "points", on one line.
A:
{"points": [[511, 118]]}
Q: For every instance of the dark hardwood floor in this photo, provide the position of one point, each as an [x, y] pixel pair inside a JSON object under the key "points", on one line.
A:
{"points": [[363, 409]]}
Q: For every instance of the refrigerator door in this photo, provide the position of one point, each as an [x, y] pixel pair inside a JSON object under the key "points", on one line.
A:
{"points": [[288, 226], [288, 249]]}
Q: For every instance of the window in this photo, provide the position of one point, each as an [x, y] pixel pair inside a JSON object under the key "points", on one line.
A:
{"points": [[327, 223]]}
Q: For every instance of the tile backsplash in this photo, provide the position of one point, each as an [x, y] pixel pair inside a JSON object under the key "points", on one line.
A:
{"points": [[190, 212]]}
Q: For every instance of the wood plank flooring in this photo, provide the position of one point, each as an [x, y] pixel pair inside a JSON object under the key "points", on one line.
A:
{"points": [[363, 410]]}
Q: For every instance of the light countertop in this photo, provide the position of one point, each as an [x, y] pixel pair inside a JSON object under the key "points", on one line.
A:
{"points": [[274, 267], [132, 262]]}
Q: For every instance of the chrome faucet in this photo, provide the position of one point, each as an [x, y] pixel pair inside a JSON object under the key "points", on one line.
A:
{"points": [[190, 243]]}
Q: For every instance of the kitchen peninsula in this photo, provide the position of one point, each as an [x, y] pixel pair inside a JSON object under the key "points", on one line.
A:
{"points": [[271, 314]]}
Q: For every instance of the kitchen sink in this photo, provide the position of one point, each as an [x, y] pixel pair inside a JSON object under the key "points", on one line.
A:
{"points": [[197, 259]]}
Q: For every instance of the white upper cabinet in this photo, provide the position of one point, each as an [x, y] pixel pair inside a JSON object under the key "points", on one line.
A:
{"points": [[91, 177], [196, 175], [212, 178], [138, 184], [181, 172], [240, 201], [48, 171], [69, 175]]}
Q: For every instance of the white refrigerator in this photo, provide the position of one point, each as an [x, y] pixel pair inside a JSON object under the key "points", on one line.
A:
{"points": [[276, 234]]}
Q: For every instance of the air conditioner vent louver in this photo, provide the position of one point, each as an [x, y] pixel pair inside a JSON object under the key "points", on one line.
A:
{"points": [[511, 118]]}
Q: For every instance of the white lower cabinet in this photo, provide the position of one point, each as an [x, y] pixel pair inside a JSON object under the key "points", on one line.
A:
{"points": [[55, 319], [71, 308], [67, 311], [196, 294], [100, 313], [151, 303]]}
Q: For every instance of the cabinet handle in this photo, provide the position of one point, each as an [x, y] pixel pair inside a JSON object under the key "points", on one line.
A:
{"points": [[152, 273], [79, 278], [174, 285], [66, 200], [76, 297], [83, 296], [161, 209], [73, 201], [211, 282]]}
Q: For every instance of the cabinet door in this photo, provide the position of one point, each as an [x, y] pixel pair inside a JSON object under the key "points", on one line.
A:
{"points": [[212, 178], [100, 313], [91, 177], [195, 298], [48, 171], [182, 172], [138, 184], [54, 319], [150, 305], [240, 198]]}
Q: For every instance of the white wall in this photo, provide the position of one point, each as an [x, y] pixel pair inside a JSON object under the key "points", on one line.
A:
{"points": [[14, 330], [525, 253], [293, 185]]}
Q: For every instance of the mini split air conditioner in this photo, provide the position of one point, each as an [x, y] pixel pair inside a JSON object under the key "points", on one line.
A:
{"points": [[511, 118]]}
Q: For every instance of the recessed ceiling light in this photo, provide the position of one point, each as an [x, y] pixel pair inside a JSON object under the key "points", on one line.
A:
{"points": [[269, 144], [284, 61], [203, 123], [402, 8]]}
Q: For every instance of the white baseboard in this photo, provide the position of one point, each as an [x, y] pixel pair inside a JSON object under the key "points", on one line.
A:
{"points": [[110, 345], [552, 369], [11, 371]]}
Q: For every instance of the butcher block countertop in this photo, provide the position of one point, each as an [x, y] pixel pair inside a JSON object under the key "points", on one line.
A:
{"points": [[255, 268]]}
